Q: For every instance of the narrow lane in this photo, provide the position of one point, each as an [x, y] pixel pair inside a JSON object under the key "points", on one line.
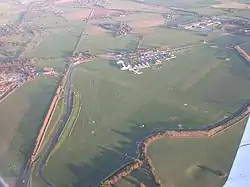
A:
{"points": [[69, 104]]}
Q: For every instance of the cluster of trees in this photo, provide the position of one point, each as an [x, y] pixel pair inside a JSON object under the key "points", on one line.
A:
{"points": [[220, 128], [152, 171], [124, 29]]}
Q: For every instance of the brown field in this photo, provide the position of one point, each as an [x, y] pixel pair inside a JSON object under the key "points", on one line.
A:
{"points": [[84, 13], [147, 23], [103, 12], [94, 30]]}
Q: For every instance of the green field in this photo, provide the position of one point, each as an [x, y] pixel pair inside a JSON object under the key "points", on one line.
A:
{"points": [[57, 44], [70, 125], [197, 88], [171, 37], [21, 117], [107, 43], [116, 103], [176, 160]]}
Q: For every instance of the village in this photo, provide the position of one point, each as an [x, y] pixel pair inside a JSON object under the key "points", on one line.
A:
{"points": [[119, 29], [239, 26], [14, 74], [143, 58]]}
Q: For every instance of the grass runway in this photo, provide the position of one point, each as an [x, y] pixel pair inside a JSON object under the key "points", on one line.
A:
{"points": [[116, 104]]}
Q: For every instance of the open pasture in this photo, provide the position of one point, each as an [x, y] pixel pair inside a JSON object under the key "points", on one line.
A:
{"points": [[116, 104], [20, 124], [177, 161], [57, 64], [58, 43], [246, 48], [106, 43], [139, 16], [171, 37], [49, 19]]}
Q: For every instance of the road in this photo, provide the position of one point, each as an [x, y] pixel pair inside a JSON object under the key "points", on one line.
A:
{"points": [[69, 105]]}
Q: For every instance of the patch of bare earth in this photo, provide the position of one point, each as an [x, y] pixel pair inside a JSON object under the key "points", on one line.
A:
{"points": [[94, 30]]}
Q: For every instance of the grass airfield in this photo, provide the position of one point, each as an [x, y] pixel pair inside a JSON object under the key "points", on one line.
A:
{"points": [[116, 104]]}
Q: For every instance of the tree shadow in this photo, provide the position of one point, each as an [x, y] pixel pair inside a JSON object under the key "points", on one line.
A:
{"points": [[101, 165], [144, 178], [23, 142], [109, 159]]}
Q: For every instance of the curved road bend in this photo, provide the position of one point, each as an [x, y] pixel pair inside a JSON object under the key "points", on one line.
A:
{"points": [[69, 105]]}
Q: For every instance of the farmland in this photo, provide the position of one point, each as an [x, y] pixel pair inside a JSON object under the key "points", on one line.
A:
{"points": [[19, 125], [176, 164], [114, 109], [105, 89]]}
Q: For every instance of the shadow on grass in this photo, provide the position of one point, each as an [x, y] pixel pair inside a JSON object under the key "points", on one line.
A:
{"points": [[142, 177], [23, 142], [90, 175], [111, 158]]}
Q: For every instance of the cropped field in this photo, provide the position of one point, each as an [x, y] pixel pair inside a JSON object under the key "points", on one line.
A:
{"points": [[176, 160], [57, 44], [116, 104], [20, 124]]}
